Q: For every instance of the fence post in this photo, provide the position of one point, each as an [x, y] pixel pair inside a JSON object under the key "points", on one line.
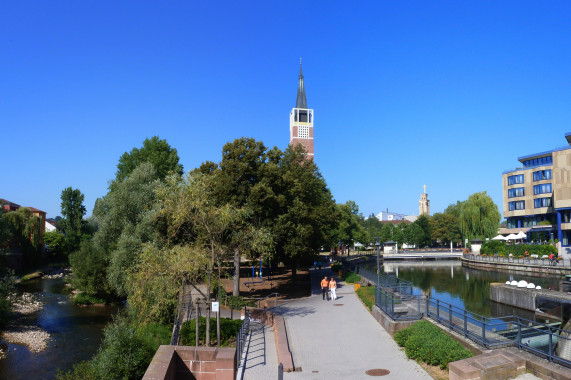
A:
{"points": [[419, 311], [550, 343], [281, 372], [427, 305], [465, 323], [484, 332], [518, 334], [437, 310], [450, 315]]}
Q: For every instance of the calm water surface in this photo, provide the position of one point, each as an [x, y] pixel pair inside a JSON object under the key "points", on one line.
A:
{"points": [[466, 288], [76, 333]]}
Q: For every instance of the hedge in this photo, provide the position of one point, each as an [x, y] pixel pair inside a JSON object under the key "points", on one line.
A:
{"points": [[493, 247], [228, 330], [425, 341]]}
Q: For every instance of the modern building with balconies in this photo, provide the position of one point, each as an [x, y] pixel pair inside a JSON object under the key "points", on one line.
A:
{"points": [[537, 196]]}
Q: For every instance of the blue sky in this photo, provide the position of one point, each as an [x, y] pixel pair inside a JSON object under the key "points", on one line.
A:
{"points": [[407, 93]]}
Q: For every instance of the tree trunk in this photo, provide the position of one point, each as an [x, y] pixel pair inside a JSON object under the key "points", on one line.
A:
{"points": [[236, 278]]}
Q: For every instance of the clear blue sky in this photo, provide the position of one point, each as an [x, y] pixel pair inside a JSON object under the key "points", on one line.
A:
{"points": [[406, 93]]}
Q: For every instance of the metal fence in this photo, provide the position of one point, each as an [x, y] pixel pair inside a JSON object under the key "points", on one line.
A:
{"points": [[563, 263], [386, 281], [399, 306], [241, 338]]}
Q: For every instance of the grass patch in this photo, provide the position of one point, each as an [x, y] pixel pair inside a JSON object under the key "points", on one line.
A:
{"points": [[351, 277], [367, 295], [30, 276], [155, 334], [228, 330], [426, 342], [87, 299]]}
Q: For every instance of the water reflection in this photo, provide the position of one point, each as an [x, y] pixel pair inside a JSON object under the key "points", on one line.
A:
{"points": [[462, 287]]}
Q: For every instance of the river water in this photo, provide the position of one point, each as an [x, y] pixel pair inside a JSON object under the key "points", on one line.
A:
{"points": [[463, 287], [76, 332]]}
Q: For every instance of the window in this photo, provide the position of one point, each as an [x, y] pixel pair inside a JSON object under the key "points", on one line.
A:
{"points": [[516, 192], [542, 175], [542, 202], [514, 179], [517, 205], [547, 160], [542, 189], [303, 131]]}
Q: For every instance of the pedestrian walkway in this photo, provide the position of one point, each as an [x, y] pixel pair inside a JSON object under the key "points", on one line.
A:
{"points": [[334, 339]]}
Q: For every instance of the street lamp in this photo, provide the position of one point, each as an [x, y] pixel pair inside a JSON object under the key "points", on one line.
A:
{"points": [[378, 244]]}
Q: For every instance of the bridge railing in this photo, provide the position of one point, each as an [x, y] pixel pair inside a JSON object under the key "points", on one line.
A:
{"points": [[564, 263]]}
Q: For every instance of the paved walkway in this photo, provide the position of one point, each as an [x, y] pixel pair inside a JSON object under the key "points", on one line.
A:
{"points": [[334, 339]]}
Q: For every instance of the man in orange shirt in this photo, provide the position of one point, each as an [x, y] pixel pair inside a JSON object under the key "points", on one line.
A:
{"points": [[325, 288]]}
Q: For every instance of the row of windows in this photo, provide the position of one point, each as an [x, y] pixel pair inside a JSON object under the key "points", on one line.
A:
{"points": [[542, 175], [519, 222], [542, 202], [514, 179], [542, 189], [517, 205], [516, 192], [538, 161]]}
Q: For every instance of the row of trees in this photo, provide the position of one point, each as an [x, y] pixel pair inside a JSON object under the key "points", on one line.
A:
{"points": [[476, 217]]}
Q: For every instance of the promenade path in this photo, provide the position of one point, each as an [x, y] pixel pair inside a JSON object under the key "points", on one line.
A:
{"points": [[331, 340]]}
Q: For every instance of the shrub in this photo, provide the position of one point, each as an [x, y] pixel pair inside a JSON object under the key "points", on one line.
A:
{"points": [[351, 277], [367, 295], [517, 250], [238, 302], [336, 267], [228, 330], [426, 342], [87, 299]]}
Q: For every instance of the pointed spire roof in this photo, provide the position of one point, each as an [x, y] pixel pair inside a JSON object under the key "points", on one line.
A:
{"points": [[301, 101]]}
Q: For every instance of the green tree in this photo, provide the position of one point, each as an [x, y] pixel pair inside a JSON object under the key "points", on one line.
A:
{"points": [[350, 229], [424, 224], [479, 217], [73, 210], [373, 229], [414, 235], [158, 152], [5, 234], [55, 242], [444, 228], [25, 232]]}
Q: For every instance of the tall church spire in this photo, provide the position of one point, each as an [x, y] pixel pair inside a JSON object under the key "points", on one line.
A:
{"points": [[301, 100]]}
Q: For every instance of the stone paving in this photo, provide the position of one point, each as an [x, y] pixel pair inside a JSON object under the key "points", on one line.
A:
{"points": [[334, 340]]}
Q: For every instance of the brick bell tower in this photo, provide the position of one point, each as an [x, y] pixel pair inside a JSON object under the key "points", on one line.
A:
{"points": [[301, 120]]}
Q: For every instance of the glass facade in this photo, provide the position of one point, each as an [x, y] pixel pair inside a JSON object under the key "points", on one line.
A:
{"points": [[542, 189], [515, 179], [547, 160], [516, 192], [517, 205], [542, 175], [542, 202]]}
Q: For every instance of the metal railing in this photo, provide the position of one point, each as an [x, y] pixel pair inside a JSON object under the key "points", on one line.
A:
{"points": [[272, 295], [241, 338], [386, 281], [399, 306], [528, 260]]}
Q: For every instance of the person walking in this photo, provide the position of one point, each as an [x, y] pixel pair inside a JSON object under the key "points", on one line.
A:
{"points": [[333, 288], [325, 288]]}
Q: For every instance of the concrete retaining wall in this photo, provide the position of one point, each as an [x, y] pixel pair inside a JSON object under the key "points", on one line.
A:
{"points": [[537, 270]]}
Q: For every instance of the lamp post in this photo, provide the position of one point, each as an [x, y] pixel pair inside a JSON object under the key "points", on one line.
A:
{"points": [[378, 244]]}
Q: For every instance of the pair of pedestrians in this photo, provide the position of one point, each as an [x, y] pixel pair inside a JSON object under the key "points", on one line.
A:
{"points": [[328, 286]]}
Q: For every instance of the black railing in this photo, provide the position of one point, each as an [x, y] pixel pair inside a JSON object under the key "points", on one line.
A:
{"points": [[542, 260], [398, 306], [241, 338]]}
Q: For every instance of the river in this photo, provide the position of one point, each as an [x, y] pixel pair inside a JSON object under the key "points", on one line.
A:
{"points": [[76, 332], [463, 287]]}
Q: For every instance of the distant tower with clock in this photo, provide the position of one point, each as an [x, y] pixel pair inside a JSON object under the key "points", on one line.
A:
{"points": [[301, 120]]}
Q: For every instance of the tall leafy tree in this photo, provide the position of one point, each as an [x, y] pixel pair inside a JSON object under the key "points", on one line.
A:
{"points": [[158, 152], [349, 229], [444, 228], [479, 217], [25, 232], [73, 210], [424, 223]]}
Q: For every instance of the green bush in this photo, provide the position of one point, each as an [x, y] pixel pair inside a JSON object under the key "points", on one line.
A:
{"points": [[336, 267], [493, 247], [87, 299], [425, 341], [228, 330], [238, 302], [367, 295], [351, 277]]}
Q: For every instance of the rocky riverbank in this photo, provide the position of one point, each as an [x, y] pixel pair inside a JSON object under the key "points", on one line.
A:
{"points": [[21, 329]]}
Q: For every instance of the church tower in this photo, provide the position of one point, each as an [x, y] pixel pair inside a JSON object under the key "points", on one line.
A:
{"points": [[301, 120], [424, 204]]}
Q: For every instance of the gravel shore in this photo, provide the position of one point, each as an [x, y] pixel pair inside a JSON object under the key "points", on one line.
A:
{"points": [[19, 330]]}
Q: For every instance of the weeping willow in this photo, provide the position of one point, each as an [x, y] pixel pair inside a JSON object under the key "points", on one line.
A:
{"points": [[479, 217]]}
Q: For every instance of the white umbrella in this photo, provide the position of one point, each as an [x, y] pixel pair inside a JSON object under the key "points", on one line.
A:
{"points": [[521, 235], [499, 237], [512, 237]]}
